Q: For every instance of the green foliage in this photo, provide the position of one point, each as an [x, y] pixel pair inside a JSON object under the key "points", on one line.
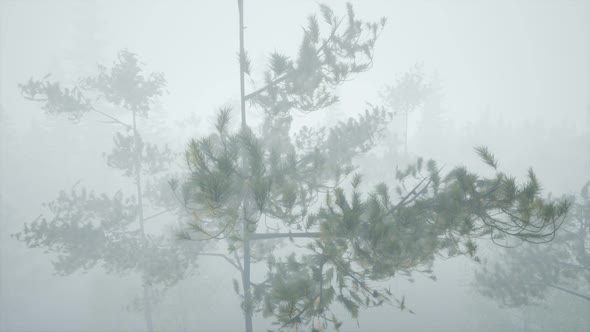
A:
{"points": [[124, 85], [486, 156], [524, 275], [87, 229], [129, 147], [69, 101], [279, 180], [252, 187], [409, 91], [324, 61], [385, 238], [245, 63], [83, 229]]}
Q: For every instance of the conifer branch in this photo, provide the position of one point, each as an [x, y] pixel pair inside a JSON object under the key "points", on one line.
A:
{"points": [[412, 192], [267, 236], [157, 214], [114, 120], [563, 289], [268, 85], [285, 76], [296, 318], [239, 268], [92, 108]]}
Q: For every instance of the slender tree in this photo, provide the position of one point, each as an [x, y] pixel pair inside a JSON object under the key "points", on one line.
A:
{"points": [[408, 94], [5, 134], [84, 228], [255, 188]]}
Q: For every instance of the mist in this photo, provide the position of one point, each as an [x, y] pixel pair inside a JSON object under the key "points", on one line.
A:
{"points": [[494, 87]]}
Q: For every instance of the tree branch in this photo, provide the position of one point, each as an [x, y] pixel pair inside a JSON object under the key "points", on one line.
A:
{"points": [[267, 236], [92, 108], [222, 256], [412, 192], [284, 76], [271, 83], [571, 292], [115, 120], [157, 214]]}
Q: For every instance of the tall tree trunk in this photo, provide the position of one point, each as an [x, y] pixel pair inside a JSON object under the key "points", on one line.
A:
{"points": [[248, 310], [147, 311], [247, 306], [146, 283], [2, 132], [406, 119]]}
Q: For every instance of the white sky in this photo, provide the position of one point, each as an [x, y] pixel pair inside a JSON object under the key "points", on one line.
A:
{"points": [[522, 61]]}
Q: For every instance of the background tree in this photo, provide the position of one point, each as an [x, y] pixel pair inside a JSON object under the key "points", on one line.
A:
{"points": [[254, 188], [409, 93], [84, 228]]}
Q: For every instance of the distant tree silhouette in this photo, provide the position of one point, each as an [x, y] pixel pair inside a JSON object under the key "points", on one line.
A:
{"points": [[85, 228]]}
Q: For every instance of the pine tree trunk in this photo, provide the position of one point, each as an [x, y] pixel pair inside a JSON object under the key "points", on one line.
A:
{"points": [[147, 310], [406, 120], [147, 304], [246, 281], [246, 233]]}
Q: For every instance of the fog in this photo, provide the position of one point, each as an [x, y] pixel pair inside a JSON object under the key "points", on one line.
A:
{"points": [[513, 76]]}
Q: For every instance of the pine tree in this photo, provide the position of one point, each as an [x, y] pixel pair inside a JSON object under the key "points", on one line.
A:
{"points": [[409, 93], [255, 188], [83, 228]]}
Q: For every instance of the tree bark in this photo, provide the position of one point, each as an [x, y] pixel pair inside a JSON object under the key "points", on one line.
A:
{"points": [[247, 305], [146, 286]]}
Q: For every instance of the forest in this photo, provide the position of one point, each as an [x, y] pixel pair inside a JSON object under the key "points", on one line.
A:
{"points": [[294, 166]]}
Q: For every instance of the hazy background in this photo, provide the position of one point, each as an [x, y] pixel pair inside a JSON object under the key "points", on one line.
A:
{"points": [[513, 75]]}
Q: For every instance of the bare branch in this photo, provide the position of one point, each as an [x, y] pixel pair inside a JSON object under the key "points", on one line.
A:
{"points": [[157, 214], [222, 256], [267, 236]]}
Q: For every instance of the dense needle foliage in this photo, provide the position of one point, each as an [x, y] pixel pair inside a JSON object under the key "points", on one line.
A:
{"points": [[255, 187], [524, 275]]}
